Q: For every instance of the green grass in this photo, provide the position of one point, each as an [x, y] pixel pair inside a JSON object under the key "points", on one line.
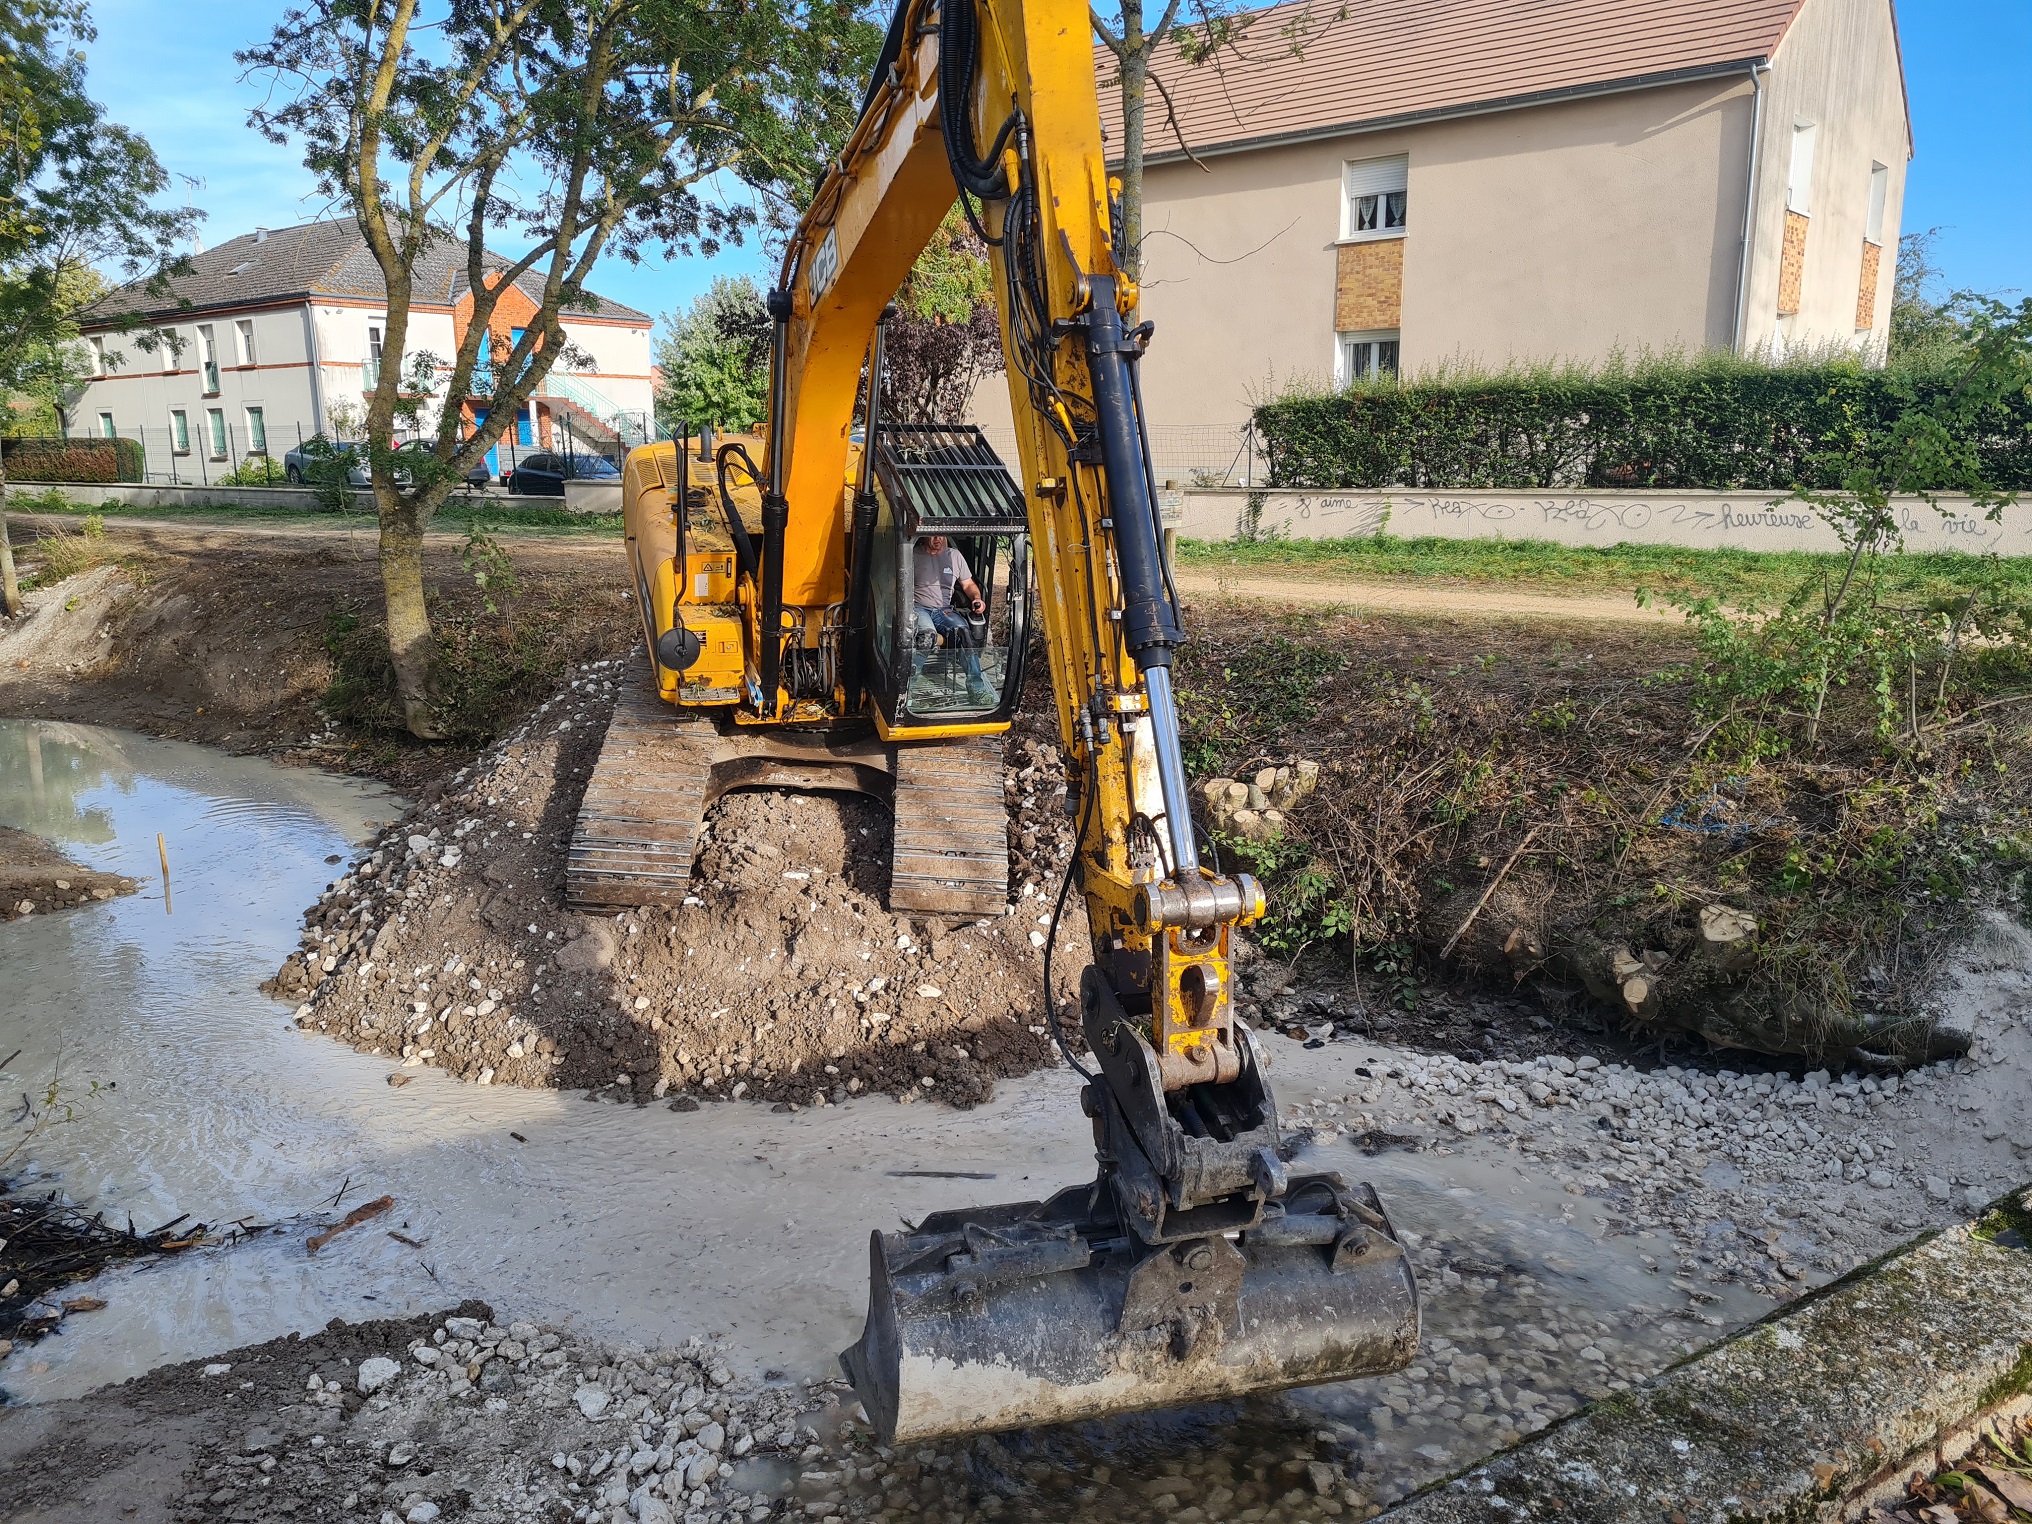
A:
{"points": [[1737, 576], [517, 515]]}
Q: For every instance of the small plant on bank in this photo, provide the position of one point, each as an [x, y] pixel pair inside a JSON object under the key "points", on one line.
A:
{"points": [[65, 553], [255, 471]]}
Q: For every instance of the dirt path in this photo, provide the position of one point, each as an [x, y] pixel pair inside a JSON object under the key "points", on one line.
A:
{"points": [[1294, 587], [1282, 587]]}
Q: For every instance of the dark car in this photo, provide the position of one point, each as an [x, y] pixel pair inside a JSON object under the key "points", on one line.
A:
{"points": [[545, 473], [476, 473]]}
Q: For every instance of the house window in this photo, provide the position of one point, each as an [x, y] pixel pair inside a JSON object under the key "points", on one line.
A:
{"points": [[246, 328], [257, 432], [98, 356], [167, 352], [1368, 356], [106, 429], [208, 358], [215, 431], [1373, 201], [1799, 180], [179, 431], [370, 373], [1880, 187]]}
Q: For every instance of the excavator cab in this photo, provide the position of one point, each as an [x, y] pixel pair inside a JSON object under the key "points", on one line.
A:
{"points": [[939, 666]]}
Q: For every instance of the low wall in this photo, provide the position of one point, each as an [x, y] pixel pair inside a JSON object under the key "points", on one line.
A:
{"points": [[92, 495], [1699, 520], [1811, 1415]]}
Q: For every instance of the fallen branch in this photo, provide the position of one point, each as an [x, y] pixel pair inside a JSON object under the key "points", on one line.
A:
{"points": [[1501, 874], [352, 1219]]}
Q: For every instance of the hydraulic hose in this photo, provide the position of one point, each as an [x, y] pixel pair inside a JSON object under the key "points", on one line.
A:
{"points": [[775, 510]]}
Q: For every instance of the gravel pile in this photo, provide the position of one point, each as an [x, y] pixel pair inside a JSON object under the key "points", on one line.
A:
{"points": [[781, 978], [459, 1417]]}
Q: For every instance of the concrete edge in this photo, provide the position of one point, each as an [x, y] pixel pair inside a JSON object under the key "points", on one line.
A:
{"points": [[1811, 1413]]}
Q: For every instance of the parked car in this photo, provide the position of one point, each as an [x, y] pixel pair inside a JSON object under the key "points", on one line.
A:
{"points": [[545, 473], [296, 463], [476, 474]]}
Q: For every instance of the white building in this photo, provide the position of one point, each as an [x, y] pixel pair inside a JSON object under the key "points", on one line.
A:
{"points": [[281, 338]]}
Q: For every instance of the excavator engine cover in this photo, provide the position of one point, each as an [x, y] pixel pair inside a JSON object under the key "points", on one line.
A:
{"points": [[1048, 1312]]}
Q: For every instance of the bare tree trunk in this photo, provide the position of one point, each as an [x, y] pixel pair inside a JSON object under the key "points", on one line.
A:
{"points": [[412, 644], [1135, 89], [10, 585]]}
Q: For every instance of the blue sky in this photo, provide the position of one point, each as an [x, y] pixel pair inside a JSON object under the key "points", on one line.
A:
{"points": [[167, 70]]}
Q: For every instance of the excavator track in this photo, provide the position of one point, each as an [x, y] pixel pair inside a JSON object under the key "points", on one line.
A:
{"points": [[952, 849], [644, 805]]}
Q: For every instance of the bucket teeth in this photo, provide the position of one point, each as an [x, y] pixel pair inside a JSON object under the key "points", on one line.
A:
{"points": [[1047, 1312]]}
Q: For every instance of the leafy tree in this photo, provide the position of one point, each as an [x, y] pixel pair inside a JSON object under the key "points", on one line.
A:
{"points": [[580, 130], [715, 359], [75, 195], [1206, 34], [1926, 331], [946, 337]]}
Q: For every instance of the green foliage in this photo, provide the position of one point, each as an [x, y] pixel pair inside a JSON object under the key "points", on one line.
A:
{"points": [[73, 460], [1714, 421], [486, 560], [490, 668], [1844, 637], [65, 554], [715, 359], [945, 338], [1732, 575], [255, 471]]}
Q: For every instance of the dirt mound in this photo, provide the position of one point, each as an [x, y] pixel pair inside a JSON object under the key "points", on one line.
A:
{"points": [[781, 978], [36, 878]]}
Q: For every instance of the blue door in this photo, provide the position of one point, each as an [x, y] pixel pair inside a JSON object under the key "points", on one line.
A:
{"points": [[525, 428]]}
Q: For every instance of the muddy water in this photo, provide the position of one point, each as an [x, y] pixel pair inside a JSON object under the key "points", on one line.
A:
{"points": [[649, 1225]]}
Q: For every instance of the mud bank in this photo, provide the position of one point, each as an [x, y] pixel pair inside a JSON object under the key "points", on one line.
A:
{"points": [[36, 878]]}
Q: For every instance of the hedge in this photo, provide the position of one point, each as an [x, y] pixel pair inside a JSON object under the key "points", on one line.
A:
{"points": [[73, 460], [1719, 422]]}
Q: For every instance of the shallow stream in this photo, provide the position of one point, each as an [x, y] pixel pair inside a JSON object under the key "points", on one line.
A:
{"points": [[647, 1225]]}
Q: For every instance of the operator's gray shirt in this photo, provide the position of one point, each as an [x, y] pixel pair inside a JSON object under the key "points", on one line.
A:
{"points": [[937, 575]]}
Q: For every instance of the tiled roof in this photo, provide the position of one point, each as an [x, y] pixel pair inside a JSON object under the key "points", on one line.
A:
{"points": [[328, 258], [1310, 67]]}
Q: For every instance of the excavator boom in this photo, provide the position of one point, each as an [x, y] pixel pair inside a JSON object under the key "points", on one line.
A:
{"points": [[1195, 1264]]}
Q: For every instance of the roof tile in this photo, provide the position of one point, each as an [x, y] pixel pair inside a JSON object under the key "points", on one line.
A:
{"points": [[1311, 66], [328, 258]]}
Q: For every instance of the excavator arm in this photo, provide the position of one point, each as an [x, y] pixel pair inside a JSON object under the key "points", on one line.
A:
{"points": [[1195, 1264]]}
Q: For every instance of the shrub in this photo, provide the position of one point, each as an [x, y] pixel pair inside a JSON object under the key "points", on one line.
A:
{"points": [[255, 471], [1716, 421], [73, 460]]}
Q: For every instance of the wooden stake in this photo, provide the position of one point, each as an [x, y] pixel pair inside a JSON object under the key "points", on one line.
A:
{"points": [[162, 851]]}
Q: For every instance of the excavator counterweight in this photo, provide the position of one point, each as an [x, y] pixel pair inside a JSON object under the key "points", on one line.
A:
{"points": [[827, 605]]}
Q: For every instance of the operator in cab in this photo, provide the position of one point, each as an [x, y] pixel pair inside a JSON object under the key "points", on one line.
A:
{"points": [[938, 569]]}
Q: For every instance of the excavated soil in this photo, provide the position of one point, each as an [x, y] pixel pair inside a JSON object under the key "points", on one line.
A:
{"points": [[35, 878], [781, 978]]}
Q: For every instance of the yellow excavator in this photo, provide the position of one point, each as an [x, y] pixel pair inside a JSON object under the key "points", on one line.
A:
{"points": [[845, 601]]}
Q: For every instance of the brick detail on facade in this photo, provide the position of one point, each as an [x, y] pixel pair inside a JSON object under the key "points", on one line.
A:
{"points": [[1369, 290], [1866, 288], [1792, 263]]}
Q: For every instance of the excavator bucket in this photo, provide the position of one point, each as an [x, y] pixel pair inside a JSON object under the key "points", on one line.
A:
{"points": [[1039, 1313]]}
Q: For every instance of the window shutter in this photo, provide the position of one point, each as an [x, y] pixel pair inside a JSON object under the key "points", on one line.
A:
{"points": [[1370, 177]]}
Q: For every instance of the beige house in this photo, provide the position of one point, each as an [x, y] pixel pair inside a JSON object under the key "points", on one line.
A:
{"points": [[1391, 185]]}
